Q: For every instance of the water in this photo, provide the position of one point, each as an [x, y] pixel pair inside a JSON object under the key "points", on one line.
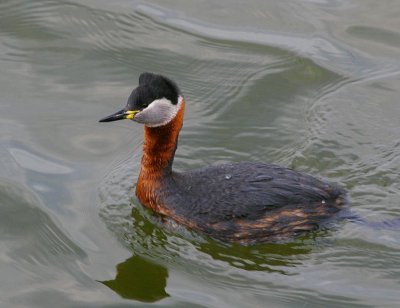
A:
{"points": [[313, 85]]}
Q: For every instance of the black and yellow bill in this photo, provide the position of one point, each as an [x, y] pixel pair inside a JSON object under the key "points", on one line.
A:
{"points": [[120, 115]]}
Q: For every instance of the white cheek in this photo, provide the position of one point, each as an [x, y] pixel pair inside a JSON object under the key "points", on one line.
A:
{"points": [[159, 112]]}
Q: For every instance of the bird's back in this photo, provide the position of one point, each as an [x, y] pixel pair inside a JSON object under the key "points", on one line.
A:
{"points": [[248, 202]]}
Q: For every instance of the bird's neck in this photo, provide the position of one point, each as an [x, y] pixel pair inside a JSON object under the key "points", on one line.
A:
{"points": [[158, 154], [160, 144]]}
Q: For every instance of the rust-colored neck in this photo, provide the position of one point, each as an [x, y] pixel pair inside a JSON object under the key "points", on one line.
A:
{"points": [[158, 154], [160, 145]]}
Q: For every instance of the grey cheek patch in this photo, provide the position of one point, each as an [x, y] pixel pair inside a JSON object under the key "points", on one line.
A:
{"points": [[159, 113], [152, 116]]}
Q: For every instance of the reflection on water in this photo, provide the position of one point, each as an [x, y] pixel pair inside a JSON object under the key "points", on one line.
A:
{"points": [[139, 279], [164, 240], [267, 257]]}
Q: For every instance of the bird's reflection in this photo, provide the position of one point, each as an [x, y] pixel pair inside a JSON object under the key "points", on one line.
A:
{"points": [[152, 238], [139, 279], [170, 238]]}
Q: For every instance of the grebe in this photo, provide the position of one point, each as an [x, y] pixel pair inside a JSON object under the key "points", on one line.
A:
{"points": [[247, 203]]}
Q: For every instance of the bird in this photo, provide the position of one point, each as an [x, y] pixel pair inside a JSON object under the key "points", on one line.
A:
{"points": [[243, 202]]}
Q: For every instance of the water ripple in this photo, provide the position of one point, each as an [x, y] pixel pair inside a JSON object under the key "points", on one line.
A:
{"points": [[41, 241]]}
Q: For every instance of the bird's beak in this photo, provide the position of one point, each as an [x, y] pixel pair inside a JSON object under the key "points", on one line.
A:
{"points": [[120, 115]]}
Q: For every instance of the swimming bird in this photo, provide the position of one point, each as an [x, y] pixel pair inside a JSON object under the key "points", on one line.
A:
{"points": [[246, 202]]}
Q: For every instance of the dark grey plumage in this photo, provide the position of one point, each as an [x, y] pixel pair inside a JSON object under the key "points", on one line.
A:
{"points": [[226, 200]]}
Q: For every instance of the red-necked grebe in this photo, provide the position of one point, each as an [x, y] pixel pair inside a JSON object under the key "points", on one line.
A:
{"points": [[239, 202]]}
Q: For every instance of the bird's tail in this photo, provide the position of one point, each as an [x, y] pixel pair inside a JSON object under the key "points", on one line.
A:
{"points": [[387, 224]]}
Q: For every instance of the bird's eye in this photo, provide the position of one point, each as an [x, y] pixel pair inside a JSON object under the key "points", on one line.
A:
{"points": [[145, 105]]}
